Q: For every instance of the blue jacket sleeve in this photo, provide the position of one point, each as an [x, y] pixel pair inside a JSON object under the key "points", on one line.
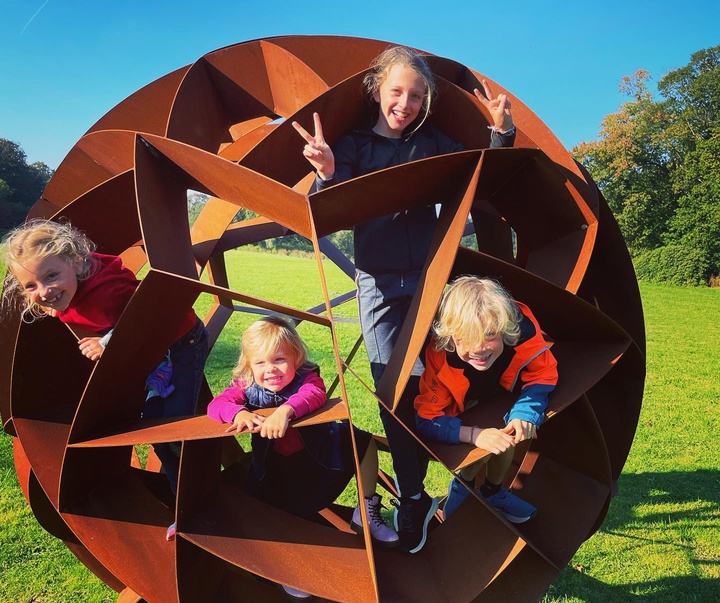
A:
{"points": [[531, 404], [498, 141], [442, 429]]}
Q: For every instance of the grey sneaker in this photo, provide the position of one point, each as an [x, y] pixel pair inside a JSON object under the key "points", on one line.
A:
{"points": [[380, 532]]}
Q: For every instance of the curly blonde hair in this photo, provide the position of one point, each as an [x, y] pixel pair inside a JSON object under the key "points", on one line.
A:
{"points": [[262, 339], [401, 55], [473, 309], [36, 240]]}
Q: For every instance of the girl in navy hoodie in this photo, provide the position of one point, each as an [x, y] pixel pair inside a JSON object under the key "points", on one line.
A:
{"points": [[390, 251]]}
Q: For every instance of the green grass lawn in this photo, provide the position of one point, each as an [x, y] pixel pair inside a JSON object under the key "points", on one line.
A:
{"points": [[660, 541]]}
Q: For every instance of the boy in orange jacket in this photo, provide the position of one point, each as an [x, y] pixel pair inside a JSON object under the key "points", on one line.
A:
{"points": [[483, 339]]}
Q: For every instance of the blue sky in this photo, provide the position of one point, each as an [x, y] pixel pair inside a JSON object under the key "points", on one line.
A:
{"points": [[65, 63]]}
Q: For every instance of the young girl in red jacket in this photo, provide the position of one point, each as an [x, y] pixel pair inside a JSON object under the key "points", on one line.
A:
{"points": [[54, 270], [484, 340]]}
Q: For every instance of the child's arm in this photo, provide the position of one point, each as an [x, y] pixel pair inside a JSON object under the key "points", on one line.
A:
{"points": [[493, 440], [310, 396], [93, 347], [520, 430], [344, 159], [246, 420], [432, 405], [498, 107], [539, 378], [528, 412], [228, 407], [434, 422], [450, 430], [317, 151], [275, 426]]}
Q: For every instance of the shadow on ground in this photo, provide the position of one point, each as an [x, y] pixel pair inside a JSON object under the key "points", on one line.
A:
{"points": [[676, 490]]}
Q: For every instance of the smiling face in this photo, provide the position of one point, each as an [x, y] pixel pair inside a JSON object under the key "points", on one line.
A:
{"points": [[274, 371], [49, 282], [400, 96], [480, 357]]}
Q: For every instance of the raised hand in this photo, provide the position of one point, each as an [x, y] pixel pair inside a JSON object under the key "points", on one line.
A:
{"points": [[499, 107], [317, 151]]}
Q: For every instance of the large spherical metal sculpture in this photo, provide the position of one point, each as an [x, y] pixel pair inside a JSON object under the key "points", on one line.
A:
{"points": [[222, 126]]}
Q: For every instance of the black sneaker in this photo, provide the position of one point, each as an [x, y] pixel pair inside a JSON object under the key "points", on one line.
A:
{"points": [[411, 521]]}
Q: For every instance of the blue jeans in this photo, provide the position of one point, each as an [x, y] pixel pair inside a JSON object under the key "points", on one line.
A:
{"points": [[384, 301], [188, 355]]}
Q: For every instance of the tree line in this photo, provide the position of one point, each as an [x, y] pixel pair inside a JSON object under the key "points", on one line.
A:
{"points": [[657, 163], [21, 184]]}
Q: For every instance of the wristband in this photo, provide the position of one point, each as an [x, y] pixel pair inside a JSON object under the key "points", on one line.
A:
{"points": [[508, 132]]}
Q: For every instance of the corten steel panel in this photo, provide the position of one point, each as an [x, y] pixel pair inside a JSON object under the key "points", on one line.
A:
{"points": [[9, 328], [108, 213], [92, 161], [223, 126]]}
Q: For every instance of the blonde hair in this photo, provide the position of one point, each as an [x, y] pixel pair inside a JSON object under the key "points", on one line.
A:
{"points": [[401, 55], [473, 309], [262, 339], [36, 240]]}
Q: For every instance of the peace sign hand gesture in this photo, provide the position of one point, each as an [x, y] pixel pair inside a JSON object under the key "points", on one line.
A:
{"points": [[499, 107], [317, 151]]}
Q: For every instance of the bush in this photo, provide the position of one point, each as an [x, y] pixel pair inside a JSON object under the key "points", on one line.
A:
{"points": [[673, 265]]}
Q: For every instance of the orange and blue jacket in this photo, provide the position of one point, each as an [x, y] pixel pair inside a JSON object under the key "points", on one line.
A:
{"points": [[533, 369]]}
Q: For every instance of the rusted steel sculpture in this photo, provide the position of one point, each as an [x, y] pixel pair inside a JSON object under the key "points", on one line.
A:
{"points": [[215, 126]]}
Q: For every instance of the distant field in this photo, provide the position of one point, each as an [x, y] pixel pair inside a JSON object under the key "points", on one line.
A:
{"points": [[660, 541]]}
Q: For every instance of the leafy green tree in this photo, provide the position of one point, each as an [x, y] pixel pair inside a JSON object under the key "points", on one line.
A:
{"points": [[343, 240], [632, 163], [656, 162], [20, 184], [693, 98], [196, 203], [5, 191], [696, 222], [693, 93]]}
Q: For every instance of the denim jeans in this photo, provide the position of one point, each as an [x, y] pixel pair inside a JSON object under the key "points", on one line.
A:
{"points": [[188, 355], [384, 301]]}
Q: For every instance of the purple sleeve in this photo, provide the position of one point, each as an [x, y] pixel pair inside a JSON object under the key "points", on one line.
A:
{"points": [[224, 407], [309, 397]]}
